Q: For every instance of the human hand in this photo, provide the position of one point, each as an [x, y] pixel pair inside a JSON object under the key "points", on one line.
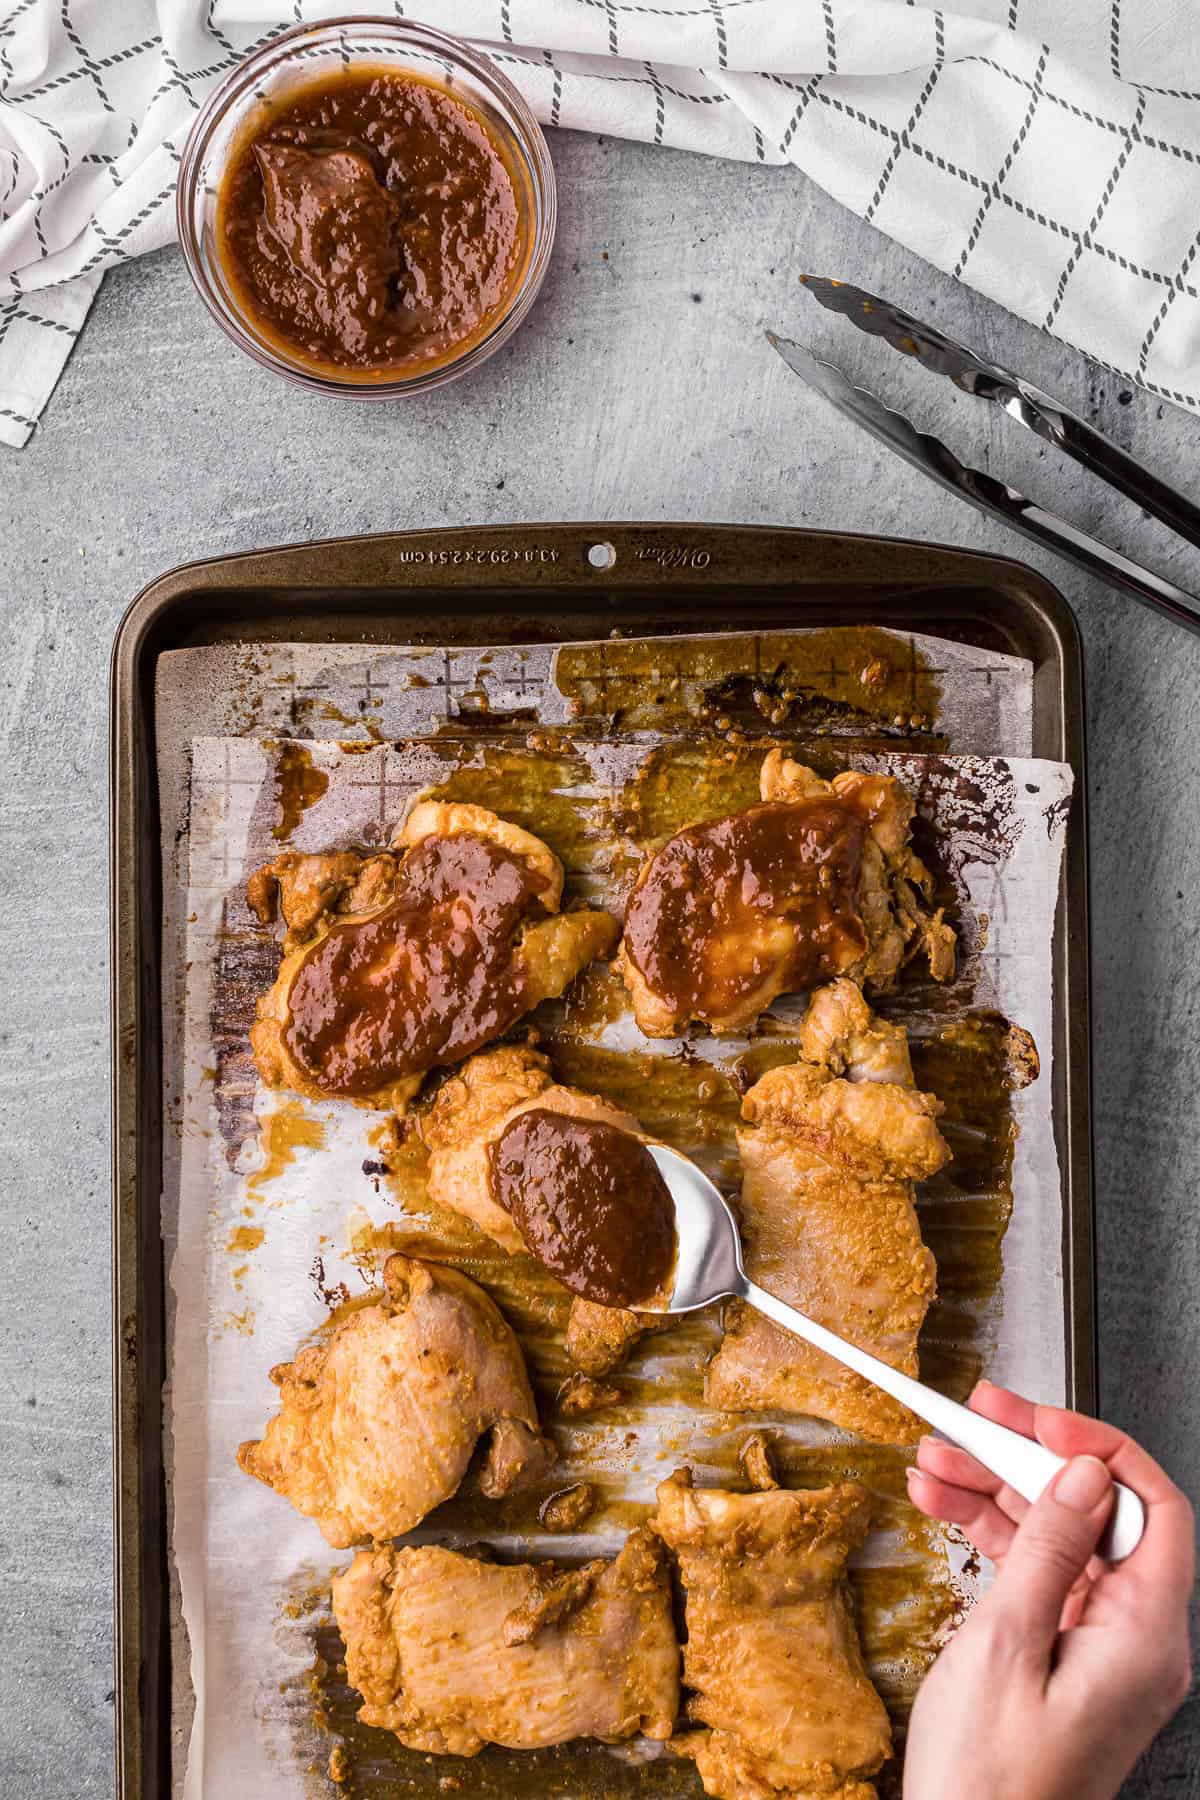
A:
{"points": [[1068, 1667]]}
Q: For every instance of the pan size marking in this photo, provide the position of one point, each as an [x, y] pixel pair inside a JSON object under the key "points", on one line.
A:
{"points": [[490, 554]]}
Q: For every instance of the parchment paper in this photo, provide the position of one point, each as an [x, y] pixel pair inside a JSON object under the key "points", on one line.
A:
{"points": [[263, 1239]]}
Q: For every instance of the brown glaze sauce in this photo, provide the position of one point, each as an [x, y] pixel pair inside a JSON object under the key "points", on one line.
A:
{"points": [[589, 1202], [424, 982], [371, 222], [799, 681], [691, 924], [299, 784]]}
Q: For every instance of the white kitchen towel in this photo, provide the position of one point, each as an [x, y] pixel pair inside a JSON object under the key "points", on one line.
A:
{"points": [[1045, 151]]}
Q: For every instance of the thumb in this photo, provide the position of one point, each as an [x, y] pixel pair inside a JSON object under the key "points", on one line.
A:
{"points": [[1051, 1549]]}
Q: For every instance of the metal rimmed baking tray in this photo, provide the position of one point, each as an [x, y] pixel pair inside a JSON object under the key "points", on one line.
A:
{"points": [[497, 585]]}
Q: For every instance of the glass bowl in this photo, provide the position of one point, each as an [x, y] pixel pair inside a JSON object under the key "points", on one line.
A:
{"points": [[292, 61]]}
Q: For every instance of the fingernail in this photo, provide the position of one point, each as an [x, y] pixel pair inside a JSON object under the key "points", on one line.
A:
{"points": [[1083, 1484]]}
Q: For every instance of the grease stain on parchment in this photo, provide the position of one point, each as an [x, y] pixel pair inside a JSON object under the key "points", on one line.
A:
{"points": [[846, 677], [244, 1238], [299, 784], [284, 1131]]}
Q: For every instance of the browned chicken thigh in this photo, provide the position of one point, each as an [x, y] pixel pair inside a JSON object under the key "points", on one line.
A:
{"points": [[772, 1652], [830, 1150], [378, 1422], [450, 1653], [816, 881], [413, 958], [473, 1111]]}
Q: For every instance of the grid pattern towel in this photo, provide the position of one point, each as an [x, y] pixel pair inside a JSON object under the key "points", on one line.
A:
{"points": [[1045, 151]]}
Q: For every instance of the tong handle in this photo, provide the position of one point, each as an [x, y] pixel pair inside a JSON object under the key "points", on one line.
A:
{"points": [[1089, 447], [1035, 409], [985, 492], [1088, 553]]}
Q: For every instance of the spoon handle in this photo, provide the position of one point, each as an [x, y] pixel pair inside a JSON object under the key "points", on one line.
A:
{"points": [[1023, 1463]]}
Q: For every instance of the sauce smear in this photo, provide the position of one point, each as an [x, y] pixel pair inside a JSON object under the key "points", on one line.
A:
{"points": [[590, 1204]]}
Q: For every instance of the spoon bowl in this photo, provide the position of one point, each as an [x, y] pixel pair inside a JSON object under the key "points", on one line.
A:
{"points": [[708, 1267], [708, 1257]]}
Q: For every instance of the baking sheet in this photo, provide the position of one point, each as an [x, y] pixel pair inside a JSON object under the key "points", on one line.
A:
{"points": [[253, 1573]]}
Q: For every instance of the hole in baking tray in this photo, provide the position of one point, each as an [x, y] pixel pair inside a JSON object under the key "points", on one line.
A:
{"points": [[601, 556]]}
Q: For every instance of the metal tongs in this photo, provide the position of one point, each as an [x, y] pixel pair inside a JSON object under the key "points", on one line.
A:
{"points": [[1039, 412]]}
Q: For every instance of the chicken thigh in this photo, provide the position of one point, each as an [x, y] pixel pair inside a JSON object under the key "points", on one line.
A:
{"points": [[413, 958], [772, 1652], [817, 881], [830, 1149], [378, 1422], [450, 1653], [470, 1115]]}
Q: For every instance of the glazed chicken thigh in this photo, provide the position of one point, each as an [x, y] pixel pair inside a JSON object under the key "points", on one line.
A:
{"points": [[772, 1652], [413, 958], [473, 1110], [450, 1653], [830, 1149], [378, 1422], [816, 881]]}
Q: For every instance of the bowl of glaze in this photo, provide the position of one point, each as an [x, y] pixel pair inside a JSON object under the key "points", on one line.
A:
{"points": [[286, 73]]}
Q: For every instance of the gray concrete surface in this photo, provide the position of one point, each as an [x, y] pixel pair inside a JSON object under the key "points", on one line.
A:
{"points": [[641, 388]]}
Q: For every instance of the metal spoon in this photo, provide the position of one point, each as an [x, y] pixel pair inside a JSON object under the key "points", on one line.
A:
{"points": [[709, 1267]]}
